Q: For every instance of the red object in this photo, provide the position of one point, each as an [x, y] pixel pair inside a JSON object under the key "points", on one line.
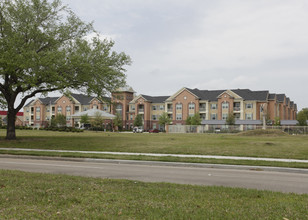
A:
{"points": [[4, 113], [154, 131]]}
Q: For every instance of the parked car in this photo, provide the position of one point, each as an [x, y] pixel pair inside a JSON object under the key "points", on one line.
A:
{"points": [[154, 131], [137, 130]]}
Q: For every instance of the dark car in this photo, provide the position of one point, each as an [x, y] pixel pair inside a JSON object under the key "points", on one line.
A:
{"points": [[154, 131]]}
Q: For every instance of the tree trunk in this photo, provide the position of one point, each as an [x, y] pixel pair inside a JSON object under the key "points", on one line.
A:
{"points": [[10, 131]]}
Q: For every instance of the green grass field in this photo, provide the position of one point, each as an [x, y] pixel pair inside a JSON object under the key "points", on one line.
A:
{"points": [[287, 146], [44, 196]]}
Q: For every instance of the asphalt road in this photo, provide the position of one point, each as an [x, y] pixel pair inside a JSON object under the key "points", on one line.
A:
{"points": [[254, 179]]}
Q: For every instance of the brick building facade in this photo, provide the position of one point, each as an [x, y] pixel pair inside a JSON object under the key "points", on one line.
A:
{"points": [[210, 104]]}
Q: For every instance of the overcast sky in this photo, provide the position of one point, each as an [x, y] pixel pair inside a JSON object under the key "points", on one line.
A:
{"points": [[206, 44]]}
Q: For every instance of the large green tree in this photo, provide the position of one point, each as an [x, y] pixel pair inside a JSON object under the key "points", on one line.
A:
{"points": [[164, 119], [117, 122], [138, 120], [43, 48], [302, 117], [194, 120]]}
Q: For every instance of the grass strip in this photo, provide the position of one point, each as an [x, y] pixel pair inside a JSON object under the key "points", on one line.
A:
{"points": [[164, 159], [47, 196], [292, 147]]}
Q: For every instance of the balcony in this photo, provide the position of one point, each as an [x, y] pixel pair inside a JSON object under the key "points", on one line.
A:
{"points": [[202, 109], [236, 109], [170, 110], [140, 111]]}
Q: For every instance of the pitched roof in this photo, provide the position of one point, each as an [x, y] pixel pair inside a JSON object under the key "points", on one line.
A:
{"points": [[48, 100], [246, 94], [280, 97], [271, 96], [155, 99]]}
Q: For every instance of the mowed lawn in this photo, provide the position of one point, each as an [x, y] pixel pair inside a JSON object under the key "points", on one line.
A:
{"points": [[290, 146], [45, 196]]}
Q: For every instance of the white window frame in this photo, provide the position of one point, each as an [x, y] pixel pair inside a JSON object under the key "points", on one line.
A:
{"points": [[225, 105], [179, 117], [214, 106]]}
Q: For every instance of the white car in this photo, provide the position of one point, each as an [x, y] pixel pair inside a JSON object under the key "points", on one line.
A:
{"points": [[137, 130]]}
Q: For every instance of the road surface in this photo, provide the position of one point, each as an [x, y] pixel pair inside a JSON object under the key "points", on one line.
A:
{"points": [[254, 179]]}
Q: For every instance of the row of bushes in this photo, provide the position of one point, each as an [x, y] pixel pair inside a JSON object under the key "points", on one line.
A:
{"points": [[18, 127], [63, 129]]}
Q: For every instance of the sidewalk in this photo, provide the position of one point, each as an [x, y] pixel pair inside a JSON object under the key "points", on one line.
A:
{"points": [[163, 155]]}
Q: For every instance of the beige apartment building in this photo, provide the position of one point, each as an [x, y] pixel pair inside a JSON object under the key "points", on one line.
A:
{"points": [[212, 105]]}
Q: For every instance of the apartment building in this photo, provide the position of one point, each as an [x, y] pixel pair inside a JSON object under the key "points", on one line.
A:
{"points": [[39, 112], [212, 105]]}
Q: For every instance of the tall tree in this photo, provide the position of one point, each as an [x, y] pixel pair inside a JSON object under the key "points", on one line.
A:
{"points": [[97, 121], [43, 48], [230, 119], [302, 117], [85, 119], [117, 121], [138, 120], [194, 120], [164, 119]]}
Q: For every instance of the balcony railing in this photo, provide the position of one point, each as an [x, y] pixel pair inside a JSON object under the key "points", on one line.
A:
{"points": [[237, 109], [202, 109], [170, 110], [140, 110]]}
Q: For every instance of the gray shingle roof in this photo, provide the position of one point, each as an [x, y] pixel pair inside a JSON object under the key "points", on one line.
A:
{"points": [[155, 99], [246, 94], [48, 100], [271, 96], [280, 97]]}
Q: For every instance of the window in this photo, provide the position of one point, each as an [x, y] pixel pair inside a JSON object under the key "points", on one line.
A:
{"points": [[68, 108], [214, 116], [178, 107], [203, 116], [224, 116], [191, 105], [85, 108], [214, 106], [249, 105], [27, 118], [248, 116], [132, 107], [59, 109], [179, 116], [154, 107], [47, 109], [95, 107], [68, 118], [161, 107], [105, 108], [225, 105], [38, 117], [27, 109], [38, 109], [131, 117], [154, 117]]}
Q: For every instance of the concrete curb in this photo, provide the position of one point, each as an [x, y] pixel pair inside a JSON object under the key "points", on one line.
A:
{"points": [[160, 163]]}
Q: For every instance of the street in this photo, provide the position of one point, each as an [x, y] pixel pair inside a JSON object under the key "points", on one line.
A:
{"points": [[254, 179]]}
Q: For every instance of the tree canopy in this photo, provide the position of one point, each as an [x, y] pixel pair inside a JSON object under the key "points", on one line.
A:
{"points": [[44, 48], [194, 120], [302, 117], [164, 119], [138, 120]]}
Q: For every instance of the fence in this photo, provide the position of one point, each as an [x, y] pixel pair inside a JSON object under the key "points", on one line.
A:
{"points": [[296, 130]]}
